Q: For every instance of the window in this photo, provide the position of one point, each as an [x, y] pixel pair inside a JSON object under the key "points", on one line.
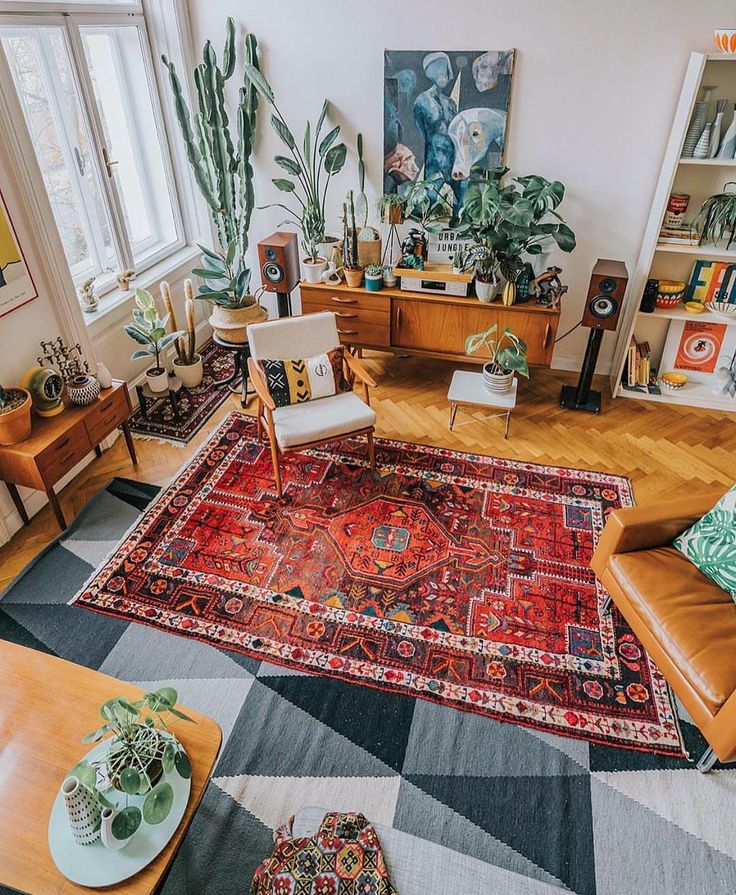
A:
{"points": [[86, 88]]}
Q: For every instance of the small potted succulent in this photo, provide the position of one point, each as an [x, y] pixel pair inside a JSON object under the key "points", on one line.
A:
{"points": [[15, 415], [88, 297], [149, 330], [374, 277], [138, 763], [124, 278], [187, 363], [507, 356], [391, 208], [227, 286], [351, 265]]}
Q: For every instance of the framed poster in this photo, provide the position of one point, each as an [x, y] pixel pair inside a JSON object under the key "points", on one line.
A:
{"points": [[698, 348], [444, 112], [16, 284]]}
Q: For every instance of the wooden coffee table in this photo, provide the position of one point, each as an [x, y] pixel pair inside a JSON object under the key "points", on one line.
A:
{"points": [[46, 706]]}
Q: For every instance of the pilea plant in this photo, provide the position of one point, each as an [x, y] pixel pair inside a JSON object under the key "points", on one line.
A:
{"points": [[306, 164], [142, 750]]}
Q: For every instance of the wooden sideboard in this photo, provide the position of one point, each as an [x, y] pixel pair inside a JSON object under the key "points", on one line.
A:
{"points": [[426, 324], [58, 443]]}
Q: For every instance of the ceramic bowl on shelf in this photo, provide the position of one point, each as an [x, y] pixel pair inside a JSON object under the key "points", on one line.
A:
{"points": [[725, 39], [722, 308], [673, 381], [670, 294], [694, 307]]}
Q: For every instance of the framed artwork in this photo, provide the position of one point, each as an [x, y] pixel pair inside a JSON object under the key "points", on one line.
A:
{"points": [[16, 284], [698, 348], [444, 112]]}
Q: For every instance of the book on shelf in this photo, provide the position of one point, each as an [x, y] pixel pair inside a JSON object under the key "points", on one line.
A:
{"points": [[706, 282], [684, 235], [638, 373]]}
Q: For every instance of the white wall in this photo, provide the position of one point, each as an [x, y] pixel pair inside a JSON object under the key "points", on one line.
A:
{"points": [[595, 88]]}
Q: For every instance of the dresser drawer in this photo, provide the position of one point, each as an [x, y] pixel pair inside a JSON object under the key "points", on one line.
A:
{"points": [[356, 332], [321, 300], [106, 415], [58, 458]]}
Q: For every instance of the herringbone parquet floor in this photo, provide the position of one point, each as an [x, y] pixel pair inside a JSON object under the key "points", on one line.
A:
{"points": [[668, 451]]}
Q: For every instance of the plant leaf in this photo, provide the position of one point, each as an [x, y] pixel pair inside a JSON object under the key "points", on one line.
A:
{"points": [[130, 781], [167, 759], [328, 140], [335, 158], [283, 131], [259, 82], [183, 765], [288, 164], [284, 184], [126, 822], [157, 804]]}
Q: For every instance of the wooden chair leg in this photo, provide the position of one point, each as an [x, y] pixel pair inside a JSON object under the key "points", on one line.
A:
{"points": [[259, 418], [276, 467], [371, 451]]}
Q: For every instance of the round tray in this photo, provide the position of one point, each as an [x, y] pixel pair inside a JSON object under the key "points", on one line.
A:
{"points": [[94, 865]]}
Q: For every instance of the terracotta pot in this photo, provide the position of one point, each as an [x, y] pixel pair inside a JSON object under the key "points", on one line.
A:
{"points": [[15, 424], [231, 324], [189, 374], [313, 270], [157, 379], [354, 276]]}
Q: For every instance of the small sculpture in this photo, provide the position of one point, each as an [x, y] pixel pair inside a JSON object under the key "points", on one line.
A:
{"points": [[549, 288], [412, 250]]}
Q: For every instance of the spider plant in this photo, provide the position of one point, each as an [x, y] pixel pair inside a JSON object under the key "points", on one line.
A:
{"points": [[717, 217]]}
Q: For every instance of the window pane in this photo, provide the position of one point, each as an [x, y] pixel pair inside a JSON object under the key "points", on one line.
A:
{"points": [[40, 65], [126, 108]]}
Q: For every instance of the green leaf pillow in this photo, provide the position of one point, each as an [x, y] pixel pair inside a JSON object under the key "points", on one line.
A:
{"points": [[710, 544]]}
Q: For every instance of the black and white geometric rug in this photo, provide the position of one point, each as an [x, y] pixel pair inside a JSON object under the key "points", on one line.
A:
{"points": [[587, 819]]}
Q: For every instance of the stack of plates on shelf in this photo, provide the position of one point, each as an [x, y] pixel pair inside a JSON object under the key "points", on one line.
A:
{"points": [[724, 308]]}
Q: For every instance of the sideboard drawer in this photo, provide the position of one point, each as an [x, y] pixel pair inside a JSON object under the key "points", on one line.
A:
{"points": [[321, 300], [106, 415], [63, 454], [357, 332]]}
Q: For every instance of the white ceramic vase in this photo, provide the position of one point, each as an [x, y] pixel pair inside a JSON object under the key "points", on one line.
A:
{"points": [[103, 375], [190, 375], [107, 816], [313, 270], [703, 144], [485, 291], [728, 143], [327, 248], [83, 811]]}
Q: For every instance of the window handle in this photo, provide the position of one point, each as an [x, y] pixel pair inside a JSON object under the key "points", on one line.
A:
{"points": [[79, 160], [109, 163]]}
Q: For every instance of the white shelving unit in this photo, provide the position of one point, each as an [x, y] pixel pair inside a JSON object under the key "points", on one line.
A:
{"points": [[700, 178]]}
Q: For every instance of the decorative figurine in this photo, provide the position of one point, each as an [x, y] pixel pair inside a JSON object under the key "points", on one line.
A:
{"points": [[549, 288], [82, 387], [88, 297], [412, 250]]}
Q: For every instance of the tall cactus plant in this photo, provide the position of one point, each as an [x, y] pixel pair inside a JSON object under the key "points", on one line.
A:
{"points": [[221, 164]]}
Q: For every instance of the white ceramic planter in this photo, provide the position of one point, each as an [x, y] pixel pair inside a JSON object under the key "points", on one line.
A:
{"points": [[157, 382], [497, 383], [189, 374], [313, 271], [389, 279], [231, 324], [108, 840], [82, 810], [486, 292]]}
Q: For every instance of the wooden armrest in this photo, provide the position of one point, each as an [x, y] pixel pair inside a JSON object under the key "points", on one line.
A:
{"points": [[646, 527], [359, 370], [259, 384]]}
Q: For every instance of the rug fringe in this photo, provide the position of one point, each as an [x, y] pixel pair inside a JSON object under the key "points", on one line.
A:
{"points": [[159, 439]]}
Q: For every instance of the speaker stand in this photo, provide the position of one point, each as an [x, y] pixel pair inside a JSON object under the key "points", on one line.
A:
{"points": [[582, 397], [283, 301]]}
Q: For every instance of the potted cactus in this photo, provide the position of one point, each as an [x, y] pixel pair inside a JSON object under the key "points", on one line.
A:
{"points": [[15, 415], [149, 330], [187, 363], [306, 165], [351, 265], [221, 164]]}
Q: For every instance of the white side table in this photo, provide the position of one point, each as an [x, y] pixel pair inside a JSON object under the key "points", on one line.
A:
{"points": [[468, 389]]}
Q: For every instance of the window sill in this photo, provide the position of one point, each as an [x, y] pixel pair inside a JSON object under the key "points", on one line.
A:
{"points": [[116, 305]]}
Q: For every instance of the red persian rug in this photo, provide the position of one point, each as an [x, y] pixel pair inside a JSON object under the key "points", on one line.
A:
{"points": [[453, 577]]}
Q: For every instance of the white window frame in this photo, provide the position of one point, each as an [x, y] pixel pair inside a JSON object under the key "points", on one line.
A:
{"points": [[70, 17]]}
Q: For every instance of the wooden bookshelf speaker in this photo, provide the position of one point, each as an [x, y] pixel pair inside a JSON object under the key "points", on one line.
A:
{"points": [[278, 260], [602, 311]]}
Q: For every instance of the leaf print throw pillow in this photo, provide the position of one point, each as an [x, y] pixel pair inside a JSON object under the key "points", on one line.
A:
{"points": [[710, 544]]}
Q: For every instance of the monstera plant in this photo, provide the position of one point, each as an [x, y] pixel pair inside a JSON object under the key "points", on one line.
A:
{"points": [[506, 219]]}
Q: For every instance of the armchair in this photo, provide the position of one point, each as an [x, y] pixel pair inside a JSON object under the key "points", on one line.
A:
{"points": [[314, 422]]}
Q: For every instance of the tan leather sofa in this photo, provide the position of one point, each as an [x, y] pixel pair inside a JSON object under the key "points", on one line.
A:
{"points": [[685, 621]]}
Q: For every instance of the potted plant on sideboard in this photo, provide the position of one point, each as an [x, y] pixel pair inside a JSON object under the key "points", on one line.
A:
{"points": [[149, 330], [15, 415], [352, 267], [507, 356], [307, 166], [506, 220], [374, 277]]}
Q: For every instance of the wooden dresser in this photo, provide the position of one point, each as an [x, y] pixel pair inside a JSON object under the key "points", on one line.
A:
{"points": [[426, 324], [59, 442]]}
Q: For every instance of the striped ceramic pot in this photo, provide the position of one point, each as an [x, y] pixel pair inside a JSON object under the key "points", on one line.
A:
{"points": [[82, 810]]}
